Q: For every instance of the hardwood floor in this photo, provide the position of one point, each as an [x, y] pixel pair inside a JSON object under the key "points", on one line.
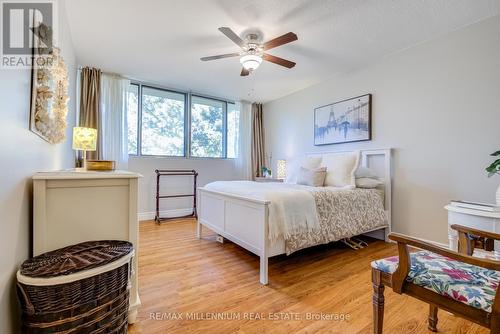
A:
{"points": [[181, 277]]}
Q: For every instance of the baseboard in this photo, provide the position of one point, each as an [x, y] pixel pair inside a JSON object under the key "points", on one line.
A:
{"points": [[164, 214], [184, 212], [377, 235], [435, 243]]}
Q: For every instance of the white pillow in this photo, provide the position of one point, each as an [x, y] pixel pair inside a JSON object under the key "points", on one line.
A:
{"points": [[312, 177], [341, 168], [365, 172], [294, 165], [368, 182]]}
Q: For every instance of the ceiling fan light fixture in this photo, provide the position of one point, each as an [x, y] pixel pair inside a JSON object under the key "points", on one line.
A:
{"points": [[252, 50], [250, 62]]}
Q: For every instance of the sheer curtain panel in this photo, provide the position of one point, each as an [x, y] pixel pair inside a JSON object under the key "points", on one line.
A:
{"points": [[114, 93], [243, 161]]}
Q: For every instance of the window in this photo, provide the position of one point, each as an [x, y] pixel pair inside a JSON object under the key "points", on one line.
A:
{"points": [[163, 114], [132, 118], [207, 127], [158, 124]]}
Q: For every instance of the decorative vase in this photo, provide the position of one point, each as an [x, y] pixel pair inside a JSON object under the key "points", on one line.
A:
{"points": [[498, 196]]}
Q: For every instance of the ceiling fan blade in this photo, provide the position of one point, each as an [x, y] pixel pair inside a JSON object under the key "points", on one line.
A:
{"points": [[284, 39], [278, 60], [227, 55], [244, 72], [232, 36]]}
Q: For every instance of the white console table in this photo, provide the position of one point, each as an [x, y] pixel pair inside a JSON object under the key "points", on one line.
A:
{"points": [[71, 206], [481, 220]]}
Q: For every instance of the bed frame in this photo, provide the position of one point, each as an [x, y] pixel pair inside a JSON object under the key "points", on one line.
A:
{"points": [[244, 221]]}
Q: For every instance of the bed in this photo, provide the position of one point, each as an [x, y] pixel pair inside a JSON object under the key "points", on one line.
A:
{"points": [[240, 212]]}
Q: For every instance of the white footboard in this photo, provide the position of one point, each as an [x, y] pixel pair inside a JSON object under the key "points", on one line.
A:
{"points": [[244, 221]]}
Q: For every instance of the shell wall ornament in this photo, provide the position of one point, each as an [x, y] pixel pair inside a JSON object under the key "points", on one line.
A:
{"points": [[49, 101]]}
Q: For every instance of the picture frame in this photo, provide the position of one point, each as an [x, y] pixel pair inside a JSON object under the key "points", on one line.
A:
{"points": [[344, 121], [48, 91]]}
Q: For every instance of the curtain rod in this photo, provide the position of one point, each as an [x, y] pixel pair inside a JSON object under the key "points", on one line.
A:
{"points": [[80, 68]]}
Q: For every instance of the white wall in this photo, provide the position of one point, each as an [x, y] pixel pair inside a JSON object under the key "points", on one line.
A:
{"points": [[435, 104], [209, 170], [21, 154]]}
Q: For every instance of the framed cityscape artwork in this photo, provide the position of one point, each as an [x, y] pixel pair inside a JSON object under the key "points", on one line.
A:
{"points": [[343, 122]]}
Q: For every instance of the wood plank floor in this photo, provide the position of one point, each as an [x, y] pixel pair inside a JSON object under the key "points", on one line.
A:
{"points": [[181, 276]]}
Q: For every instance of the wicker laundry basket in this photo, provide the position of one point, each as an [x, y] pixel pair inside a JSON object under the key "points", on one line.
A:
{"points": [[77, 289]]}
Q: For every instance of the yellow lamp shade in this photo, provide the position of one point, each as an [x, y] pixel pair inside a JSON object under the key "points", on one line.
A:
{"points": [[84, 139], [281, 169]]}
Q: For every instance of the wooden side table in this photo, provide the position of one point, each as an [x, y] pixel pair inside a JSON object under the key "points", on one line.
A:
{"points": [[268, 179], [481, 220]]}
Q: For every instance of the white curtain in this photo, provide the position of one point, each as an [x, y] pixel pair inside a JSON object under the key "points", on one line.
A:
{"points": [[243, 161], [114, 131]]}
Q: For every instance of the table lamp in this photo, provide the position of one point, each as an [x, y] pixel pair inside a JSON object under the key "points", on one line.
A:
{"points": [[84, 139], [281, 169]]}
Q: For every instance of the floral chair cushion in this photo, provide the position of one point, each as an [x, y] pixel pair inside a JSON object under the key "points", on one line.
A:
{"points": [[466, 283]]}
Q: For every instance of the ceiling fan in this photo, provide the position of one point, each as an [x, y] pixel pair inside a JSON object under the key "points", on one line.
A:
{"points": [[253, 51]]}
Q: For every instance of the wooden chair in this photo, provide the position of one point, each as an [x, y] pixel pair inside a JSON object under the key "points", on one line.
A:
{"points": [[457, 282]]}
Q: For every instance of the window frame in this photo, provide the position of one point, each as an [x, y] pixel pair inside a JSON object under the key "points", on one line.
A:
{"points": [[224, 127], [138, 123], [227, 110], [187, 123], [139, 149]]}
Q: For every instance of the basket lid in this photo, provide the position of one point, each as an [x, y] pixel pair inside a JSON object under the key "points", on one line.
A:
{"points": [[76, 258]]}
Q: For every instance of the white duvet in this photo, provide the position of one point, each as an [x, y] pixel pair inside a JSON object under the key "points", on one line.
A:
{"points": [[292, 208]]}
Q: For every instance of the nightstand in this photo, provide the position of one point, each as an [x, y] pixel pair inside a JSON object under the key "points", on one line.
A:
{"points": [[268, 179], [481, 220]]}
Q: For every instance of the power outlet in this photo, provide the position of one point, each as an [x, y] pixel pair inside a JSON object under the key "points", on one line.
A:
{"points": [[220, 239]]}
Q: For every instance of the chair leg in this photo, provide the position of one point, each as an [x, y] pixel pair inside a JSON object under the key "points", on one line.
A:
{"points": [[433, 317], [378, 302]]}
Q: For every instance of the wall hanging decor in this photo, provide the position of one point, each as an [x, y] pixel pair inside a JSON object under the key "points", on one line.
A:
{"points": [[49, 96], [343, 122]]}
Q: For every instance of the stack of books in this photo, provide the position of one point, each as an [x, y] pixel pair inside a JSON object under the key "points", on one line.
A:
{"points": [[476, 206]]}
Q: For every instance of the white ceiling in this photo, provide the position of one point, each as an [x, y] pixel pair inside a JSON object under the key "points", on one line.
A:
{"points": [[161, 41]]}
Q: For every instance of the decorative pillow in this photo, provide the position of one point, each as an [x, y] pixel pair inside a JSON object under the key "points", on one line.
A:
{"points": [[293, 167], [367, 182], [341, 168], [312, 177], [365, 172]]}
